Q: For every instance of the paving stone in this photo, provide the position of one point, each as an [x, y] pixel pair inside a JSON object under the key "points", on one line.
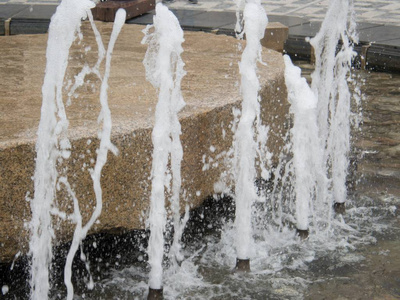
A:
{"points": [[208, 20], [144, 19], [383, 58], [10, 10], [36, 12], [297, 47], [148, 17], [364, 26], [394, 43], [287, 20], [185, 14], [29, 26], [380, 33], [307, 30]]}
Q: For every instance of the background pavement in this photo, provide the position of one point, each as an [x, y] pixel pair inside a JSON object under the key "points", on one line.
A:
{"points": [[372, 11], [378, 23]]}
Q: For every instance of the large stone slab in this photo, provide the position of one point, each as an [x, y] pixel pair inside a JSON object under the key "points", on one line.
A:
{"points": [[210, 89]]}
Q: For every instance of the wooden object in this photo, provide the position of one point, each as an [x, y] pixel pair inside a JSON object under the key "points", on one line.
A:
{"points": [[105, 11]]}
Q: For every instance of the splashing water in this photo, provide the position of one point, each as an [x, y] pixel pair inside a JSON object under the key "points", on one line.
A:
{"points": [[316, 175], [53, 123], [105, 145], [53, 145], [255, 22], [164, 69], [317, 145], [330, 84], [304, 139]]}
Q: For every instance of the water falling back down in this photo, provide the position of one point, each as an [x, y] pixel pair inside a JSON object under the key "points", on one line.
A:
{"points": [[53, 145], [49, 147], [105, 145]]}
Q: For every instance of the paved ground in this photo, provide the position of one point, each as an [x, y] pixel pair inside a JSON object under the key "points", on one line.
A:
{"points": [[371, 11], [378, 23]]}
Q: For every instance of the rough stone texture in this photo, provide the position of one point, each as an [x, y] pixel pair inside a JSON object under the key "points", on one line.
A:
{"points": [[275, 36], [210, 89]]}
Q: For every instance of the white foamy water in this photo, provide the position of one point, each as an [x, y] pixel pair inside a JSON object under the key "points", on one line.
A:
{"points": [[330, 84], [102, 152], [245, 140], [53, 145], [305, 144], [52, 142], [164, 69], [283, 266]]}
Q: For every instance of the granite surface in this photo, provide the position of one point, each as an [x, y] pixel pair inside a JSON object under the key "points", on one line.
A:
{"points": [[210, 89]]}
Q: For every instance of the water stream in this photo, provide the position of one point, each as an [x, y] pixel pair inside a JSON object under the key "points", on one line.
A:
{"points": [[164, 69], [53, 146], [245, 140], [284, 266]]}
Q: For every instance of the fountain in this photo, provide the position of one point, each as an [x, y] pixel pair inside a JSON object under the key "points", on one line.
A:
{"points": [[320, 136], [329, 83], [305, 144], [255, 21], [308, 182], [164, 69], [53, 146]]}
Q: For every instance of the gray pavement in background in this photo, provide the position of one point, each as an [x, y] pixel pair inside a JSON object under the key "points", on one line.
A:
{"points": [[378, 23], [385, 12]]}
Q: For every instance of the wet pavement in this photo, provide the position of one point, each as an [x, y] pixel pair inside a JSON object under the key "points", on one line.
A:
{"points": [[377, 146]]}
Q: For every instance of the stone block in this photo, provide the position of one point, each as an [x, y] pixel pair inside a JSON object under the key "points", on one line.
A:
{"points": [[210, 90], [275, 36]]}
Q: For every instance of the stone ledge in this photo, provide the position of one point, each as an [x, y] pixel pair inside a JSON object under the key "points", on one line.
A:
{"points": [[210, 90], [275, 36]]}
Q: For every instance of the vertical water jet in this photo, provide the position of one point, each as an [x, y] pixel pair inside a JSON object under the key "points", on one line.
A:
{"points": [[330, 84], [164, 69], [50, 148], [304, 144], [245, 140], [53, 145]]}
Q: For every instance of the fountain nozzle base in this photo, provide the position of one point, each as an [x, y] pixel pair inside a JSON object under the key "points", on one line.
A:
{"points": [[242, 265], [339, 208], [155, 294], [303, 234]]}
